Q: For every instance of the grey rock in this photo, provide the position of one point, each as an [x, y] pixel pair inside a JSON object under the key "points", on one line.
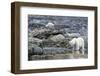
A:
{"points": [[37, 51], [57, 38], [72, 35], [34, 40], [50, 25]]}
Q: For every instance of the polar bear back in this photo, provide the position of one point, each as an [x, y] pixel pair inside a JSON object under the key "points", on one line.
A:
{"points": [[79, 43]]}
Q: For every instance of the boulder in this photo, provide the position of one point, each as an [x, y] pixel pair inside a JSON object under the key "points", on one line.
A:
{"points": [[72, 35], [30, 46], [50, 25], [57, 38], [37, 51], [34, 40]]}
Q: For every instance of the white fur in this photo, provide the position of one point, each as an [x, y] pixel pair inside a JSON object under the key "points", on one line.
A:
{"points": [[77, 43], [50, 25]]}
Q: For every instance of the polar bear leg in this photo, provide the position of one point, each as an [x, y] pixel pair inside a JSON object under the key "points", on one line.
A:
{"points": [[77, 48], [83, 50], [77, 52], [73, 50]]}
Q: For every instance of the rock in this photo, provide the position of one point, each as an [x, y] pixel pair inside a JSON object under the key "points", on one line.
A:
{"points": [[38, 31], [37, 51], [72, 35], [57, 38], [50, 25], [30, 46], [35, 32], [53, 50], [41, 33], [34, 40]]}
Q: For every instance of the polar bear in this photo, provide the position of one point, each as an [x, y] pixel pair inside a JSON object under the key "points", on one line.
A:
{"points": [[77, 44]]}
